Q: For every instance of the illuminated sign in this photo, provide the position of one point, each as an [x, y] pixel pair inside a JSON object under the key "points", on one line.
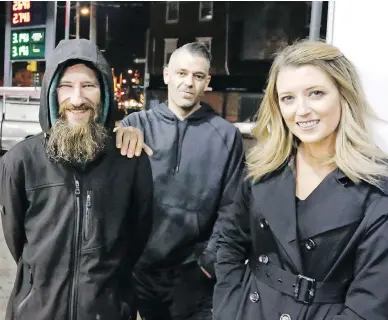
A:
{"points": [[28, 13], [28, 44]]}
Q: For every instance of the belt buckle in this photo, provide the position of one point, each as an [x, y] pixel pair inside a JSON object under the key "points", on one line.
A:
{"points": [[308, 296]]}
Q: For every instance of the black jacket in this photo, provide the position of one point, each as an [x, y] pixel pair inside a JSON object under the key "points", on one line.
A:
{"points": [[338, 239], [74, 233], [196, 166]]}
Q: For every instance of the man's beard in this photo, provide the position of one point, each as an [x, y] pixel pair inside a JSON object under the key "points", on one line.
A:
{"points": [[75, 143]]}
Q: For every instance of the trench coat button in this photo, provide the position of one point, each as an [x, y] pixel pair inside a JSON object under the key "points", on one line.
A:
{"points": [[263, 224], [344, 181], [285, 316], [254, 297], [310, 244], [263, 259]]}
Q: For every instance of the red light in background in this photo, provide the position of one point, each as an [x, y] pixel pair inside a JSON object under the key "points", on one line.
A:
{"points": [[21, 5], [21, 12], [21, 17], [137, 74]]}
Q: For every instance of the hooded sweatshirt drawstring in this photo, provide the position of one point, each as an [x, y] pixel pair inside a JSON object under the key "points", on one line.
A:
{"points": [[176, 146], [181, 127]]}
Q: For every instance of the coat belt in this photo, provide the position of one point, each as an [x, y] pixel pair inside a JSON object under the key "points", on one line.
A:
{"points": [[302, 288]]}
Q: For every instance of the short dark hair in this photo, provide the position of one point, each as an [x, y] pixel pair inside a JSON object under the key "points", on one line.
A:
{"points": [[199, 49], [195, 48]]}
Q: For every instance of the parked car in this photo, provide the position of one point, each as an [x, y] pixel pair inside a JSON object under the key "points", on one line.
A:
{"points": [[19, 115]]}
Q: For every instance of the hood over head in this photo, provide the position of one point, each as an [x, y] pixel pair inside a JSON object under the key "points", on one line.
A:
{"points": [[67, 53]]}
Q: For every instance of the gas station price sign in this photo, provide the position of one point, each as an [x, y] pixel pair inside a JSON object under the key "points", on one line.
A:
{"points": [[28, 44], [28, 13]]}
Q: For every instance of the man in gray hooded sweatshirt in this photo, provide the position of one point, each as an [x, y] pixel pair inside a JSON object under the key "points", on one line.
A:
{"points": [[76, 214], [197, 164]]}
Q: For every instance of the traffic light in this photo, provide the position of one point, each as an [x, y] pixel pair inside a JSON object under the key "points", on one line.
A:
{"points": [[32, 66]]}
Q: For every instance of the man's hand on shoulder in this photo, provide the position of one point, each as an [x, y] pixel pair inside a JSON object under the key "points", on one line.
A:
{"points": [[131, 141]]}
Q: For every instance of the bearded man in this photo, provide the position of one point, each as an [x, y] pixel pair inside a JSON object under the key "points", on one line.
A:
{"points": [[76, 214]]}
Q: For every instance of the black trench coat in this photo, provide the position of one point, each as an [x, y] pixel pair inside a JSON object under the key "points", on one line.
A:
{"points": [[328, 262]]}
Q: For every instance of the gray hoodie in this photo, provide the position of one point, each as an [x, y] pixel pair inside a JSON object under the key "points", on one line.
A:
{"points": [[197, 166]]}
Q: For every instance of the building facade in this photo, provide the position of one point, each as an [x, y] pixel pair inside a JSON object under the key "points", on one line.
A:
{"points": [[242, 38]]}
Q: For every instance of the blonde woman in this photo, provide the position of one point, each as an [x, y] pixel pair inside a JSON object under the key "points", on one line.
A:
{"points": [[312, 216]]}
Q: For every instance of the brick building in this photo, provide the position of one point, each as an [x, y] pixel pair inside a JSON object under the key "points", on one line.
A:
{"points": [[242, 37]]}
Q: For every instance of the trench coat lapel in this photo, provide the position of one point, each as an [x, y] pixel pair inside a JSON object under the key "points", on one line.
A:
{"points": [[335, 203], [276, 199]]}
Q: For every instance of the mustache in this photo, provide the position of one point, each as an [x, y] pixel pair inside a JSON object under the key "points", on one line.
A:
{"points": [[86, 106], [68, 106]]}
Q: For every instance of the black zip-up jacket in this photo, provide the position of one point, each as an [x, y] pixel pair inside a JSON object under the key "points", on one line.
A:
{"points": [[197, 165], [74, 233]]}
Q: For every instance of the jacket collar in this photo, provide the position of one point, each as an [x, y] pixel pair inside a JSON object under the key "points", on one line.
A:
{"points": [[275, 198]]}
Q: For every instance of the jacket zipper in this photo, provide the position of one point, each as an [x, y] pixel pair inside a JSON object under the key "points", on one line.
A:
{"points": [[88, 213], [74, 293], [25, 300]]}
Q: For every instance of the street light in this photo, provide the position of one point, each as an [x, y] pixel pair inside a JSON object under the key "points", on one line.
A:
{"points": [[85, 11], [124, 81], [130, 71], [79, 12]]}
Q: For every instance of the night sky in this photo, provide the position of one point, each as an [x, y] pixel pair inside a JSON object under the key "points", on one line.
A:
{"points": [[128, 22]]}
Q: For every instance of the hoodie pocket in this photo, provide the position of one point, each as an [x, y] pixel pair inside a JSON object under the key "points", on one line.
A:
{"points": [[24, 302], [174, 236]]}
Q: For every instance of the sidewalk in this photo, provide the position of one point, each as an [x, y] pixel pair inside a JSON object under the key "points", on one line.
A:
{"points": [[7, 274]]}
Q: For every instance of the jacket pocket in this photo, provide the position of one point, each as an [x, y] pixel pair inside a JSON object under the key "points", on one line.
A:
{"points": [[105, 218], [88, 225], [24, 302]]}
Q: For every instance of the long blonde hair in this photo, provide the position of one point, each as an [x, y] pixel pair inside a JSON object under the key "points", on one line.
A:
{"points": [[356, 154]]}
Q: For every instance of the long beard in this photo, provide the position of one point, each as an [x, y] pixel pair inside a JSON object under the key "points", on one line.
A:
{"points": [[75, 143]]}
